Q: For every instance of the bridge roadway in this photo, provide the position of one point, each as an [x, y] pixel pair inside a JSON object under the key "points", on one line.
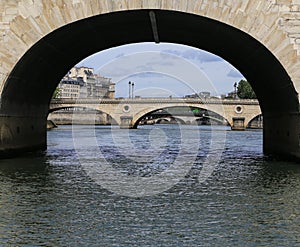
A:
{"points": [[128, 112]]}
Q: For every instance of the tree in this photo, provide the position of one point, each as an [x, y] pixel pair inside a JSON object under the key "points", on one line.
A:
{"points": [[245, 91]]}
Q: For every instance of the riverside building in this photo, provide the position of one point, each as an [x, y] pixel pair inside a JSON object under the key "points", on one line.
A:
{"points": [[82, 82]]}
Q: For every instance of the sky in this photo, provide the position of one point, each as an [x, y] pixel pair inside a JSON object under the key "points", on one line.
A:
{"points": [[164, 70]]}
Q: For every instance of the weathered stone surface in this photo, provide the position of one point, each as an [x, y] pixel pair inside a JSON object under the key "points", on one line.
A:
{"points": [[275, 23]]}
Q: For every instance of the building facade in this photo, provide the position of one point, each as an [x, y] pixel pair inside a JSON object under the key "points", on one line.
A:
{"points": [[82, 82], [69, 89]]}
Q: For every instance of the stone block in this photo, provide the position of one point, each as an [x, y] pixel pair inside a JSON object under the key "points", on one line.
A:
{"points": [[284, 2]]}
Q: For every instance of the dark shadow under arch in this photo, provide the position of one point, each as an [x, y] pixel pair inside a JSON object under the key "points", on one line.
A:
{"points": [[177, 117], [52, 110], [37, 73], [220, 121], [28, 89], [256, 122]]}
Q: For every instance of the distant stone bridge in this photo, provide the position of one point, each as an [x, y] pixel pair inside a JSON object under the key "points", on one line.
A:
{"points": [[128, 112], [40, 40]]}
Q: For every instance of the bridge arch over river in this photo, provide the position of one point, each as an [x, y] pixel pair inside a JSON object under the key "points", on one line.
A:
{"points": [[133, 110], [41, 40]]}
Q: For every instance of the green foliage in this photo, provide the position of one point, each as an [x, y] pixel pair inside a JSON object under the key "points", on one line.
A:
{"points": [[245, 91], [56, 92]]}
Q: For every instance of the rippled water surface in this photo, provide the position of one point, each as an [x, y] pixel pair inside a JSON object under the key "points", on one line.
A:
{"points": [[226, 193]]}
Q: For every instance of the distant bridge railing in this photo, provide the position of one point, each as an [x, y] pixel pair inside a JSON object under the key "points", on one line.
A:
{"points": [[157, 101]]}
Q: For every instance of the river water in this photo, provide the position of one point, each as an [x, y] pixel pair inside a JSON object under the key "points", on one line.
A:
{"points": [[104, 186]]}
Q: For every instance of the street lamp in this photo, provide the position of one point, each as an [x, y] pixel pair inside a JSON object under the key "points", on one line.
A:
{"points": [[132, 84], [129, 94], [235, 91]]}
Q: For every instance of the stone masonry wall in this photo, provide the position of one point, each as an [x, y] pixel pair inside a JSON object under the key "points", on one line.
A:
{"points": [[275, 23]]}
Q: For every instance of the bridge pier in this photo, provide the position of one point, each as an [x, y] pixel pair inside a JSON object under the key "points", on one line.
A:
{"points": [[126, 122], [238, 123], [282, 135], [19, 134]]}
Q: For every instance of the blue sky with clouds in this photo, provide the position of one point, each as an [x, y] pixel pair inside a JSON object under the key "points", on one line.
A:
{"points": [[162, 70]]}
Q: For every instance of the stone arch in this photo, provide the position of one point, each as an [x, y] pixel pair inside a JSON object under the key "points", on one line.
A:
{"points": [[139, 115], [168, 119], [24, 23], [214, 119], [250, 118], [39, 39], [255, 117], [178, 120], [55, 52], [158, 121], [72, 106], [113, 118]]}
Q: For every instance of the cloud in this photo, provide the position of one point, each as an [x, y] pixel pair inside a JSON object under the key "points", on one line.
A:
{"points": [[173, 52], [143, 63], [148, 74], [194, 54], [120, 55], [234, 74], [148, 62], [115, 72], [145, 67]]}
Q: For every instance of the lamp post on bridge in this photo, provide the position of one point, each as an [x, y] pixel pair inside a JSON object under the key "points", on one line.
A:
{"points": [[132, 84], [235, 90], [129, 93]]}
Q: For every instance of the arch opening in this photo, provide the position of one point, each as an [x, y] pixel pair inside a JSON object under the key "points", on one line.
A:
{"points": [[28, 89], [256, 122], [44, 64], [181, 115], [69, 115]]}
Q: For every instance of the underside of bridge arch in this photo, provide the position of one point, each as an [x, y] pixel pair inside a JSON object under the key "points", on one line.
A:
{"points": [[79, 115], [174, 114], [73, 108], [256, 122], [164, 120], [28, 89], [212, 119]]}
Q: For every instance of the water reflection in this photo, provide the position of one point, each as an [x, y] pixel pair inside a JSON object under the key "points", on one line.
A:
{"points": [[247, 201]]}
